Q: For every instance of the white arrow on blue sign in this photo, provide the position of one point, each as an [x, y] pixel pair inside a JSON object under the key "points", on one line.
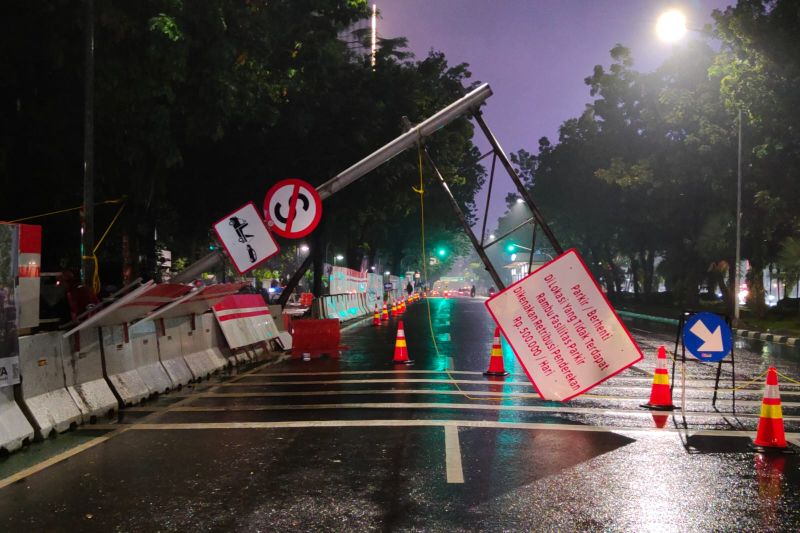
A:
{"points": [[707, 337]]}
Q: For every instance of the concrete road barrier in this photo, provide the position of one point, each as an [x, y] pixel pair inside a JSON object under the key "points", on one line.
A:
{"points": [[121, 367], [194, 350], [43, 385], [82, 360], [144, 347], [213, 340], [171, 354], [15, 430]]}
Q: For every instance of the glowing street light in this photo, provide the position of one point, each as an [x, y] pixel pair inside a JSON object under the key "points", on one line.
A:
{"points": [[520, 201], [671, 26]]}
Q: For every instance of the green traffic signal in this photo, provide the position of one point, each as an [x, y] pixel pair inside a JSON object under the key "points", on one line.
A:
{"points": [[441, 252], [511, 247]]}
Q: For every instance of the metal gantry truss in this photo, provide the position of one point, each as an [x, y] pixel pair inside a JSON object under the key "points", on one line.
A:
{"points": [[415, 135]]}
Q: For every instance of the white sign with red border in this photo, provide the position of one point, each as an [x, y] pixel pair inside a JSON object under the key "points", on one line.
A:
{"points": [[293, 208], [562, 329], [246, 238]]}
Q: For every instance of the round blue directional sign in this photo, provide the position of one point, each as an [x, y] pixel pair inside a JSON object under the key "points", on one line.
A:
{"points": [[707, 337]]}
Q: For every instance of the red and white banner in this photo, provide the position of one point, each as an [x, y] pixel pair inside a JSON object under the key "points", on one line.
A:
{"points": [[29, 266], [245, 320], [563, 330]]}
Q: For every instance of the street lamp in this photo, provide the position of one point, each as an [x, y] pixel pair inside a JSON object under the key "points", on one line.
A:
{"points": [[671, 26], [336, 258]]}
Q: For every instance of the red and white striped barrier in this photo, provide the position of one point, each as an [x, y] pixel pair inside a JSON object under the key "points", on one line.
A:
{"points": [[245, 320]]}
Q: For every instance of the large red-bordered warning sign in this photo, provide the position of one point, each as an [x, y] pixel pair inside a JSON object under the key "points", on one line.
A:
{"points": [[562, 329], [293, 208]]}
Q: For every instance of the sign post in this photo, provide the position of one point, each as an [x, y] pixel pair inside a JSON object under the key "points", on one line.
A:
{"points": [[562, 329]]}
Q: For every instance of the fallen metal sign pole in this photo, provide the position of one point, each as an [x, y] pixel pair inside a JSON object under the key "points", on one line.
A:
{"points": [[467, 104]]}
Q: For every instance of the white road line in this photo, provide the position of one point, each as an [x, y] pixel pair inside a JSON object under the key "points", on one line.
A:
{"points": [[448, 392], [600, 389], [491, 424], [459, 406], [788, 388], [452, 452]]}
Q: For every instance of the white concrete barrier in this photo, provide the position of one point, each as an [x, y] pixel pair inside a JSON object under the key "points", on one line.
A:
{"points": [[15, 430], [121, 367], [197, 358], [83, 374], [214, 339], [144, 347], [43, 385], [171, 354]]}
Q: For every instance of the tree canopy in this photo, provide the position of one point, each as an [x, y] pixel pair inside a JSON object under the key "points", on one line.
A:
{"points": [[202, 106]]}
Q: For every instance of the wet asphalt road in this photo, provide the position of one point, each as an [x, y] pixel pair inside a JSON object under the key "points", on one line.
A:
{"points": [[359, 444]]}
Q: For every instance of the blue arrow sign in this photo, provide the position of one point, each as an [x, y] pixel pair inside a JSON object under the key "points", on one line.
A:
{"points": [[707, 337]]}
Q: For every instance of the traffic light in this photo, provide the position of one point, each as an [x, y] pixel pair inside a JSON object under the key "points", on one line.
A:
{"points": [[510, 247], [441, 252]]}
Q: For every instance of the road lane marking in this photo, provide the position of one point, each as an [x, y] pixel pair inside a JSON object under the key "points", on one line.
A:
{"points": [[115, 430], [789, 388], [452, 453], [491, 424], [602, 388], [461, 406]]}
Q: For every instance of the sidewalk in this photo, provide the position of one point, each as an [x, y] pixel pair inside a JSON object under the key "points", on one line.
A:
{"points": [[747, 334]]}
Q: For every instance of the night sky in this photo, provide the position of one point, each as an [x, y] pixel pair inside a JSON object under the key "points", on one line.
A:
{"points": [[535, 54]]}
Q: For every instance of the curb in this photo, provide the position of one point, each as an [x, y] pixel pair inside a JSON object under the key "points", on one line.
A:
{"points": [[747, 334], [771, 337]]}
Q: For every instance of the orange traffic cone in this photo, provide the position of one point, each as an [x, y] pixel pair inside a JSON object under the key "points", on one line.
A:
{"points": [[376, 317], [402, 306], [400, 349], [496, 367], [384, 314], [660, 394], [394, 309], [770, 433]]}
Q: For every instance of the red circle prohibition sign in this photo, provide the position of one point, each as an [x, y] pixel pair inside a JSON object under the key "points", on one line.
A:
{"points": [[292, 208]]}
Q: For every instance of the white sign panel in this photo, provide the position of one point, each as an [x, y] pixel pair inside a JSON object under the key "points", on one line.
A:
{"points": [[563, 330], [246, 238]]}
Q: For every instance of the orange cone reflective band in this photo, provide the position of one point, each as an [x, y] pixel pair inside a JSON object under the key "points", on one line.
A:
{"points": [[496, 367], [376, 317], [770, 426], [384, 314], [394, 309], [400, 349], [660, 394]]}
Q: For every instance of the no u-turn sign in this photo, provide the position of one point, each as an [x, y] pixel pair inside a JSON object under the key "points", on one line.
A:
{"points": [[293, 208]]}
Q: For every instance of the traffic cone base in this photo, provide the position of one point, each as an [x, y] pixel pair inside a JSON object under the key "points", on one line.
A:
{"points": [[660, 393], [770, 435]]}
